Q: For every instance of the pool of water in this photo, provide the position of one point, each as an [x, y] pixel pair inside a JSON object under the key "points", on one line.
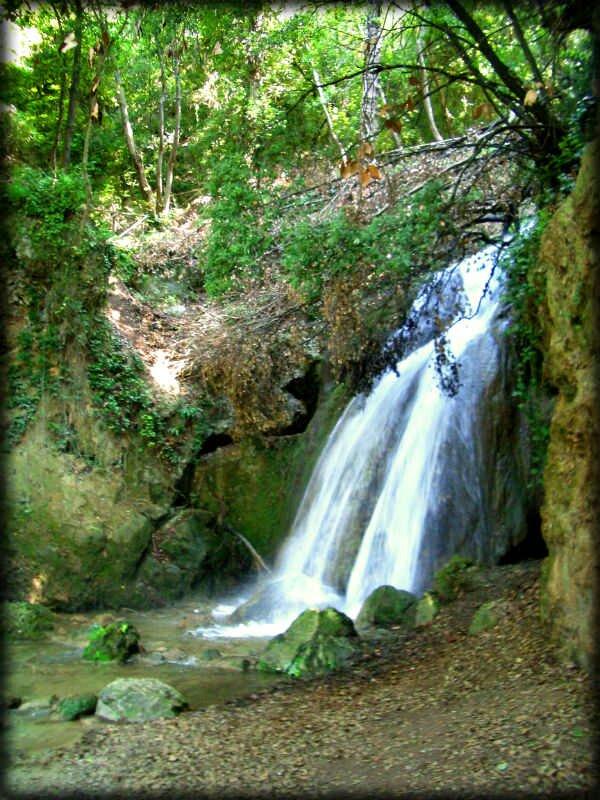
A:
{"points": [[204, 671]]}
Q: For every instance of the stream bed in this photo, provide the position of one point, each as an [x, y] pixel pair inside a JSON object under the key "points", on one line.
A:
{"points": [[204, 671]]}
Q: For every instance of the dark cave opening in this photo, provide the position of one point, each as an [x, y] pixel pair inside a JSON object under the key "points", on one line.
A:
{"points": [[532, 546]]}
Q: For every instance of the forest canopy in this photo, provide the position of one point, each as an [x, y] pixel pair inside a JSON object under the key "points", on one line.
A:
{"points": [[233, 108]]}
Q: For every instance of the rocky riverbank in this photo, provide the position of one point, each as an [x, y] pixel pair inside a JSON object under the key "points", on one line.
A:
{"points": [[433, 709]]}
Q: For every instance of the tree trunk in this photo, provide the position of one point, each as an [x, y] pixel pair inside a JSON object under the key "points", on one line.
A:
{"points": [[161, 136], [369, 123], [74, 88], [425, 80], [325, 108], [130, 141], [175, 145]]}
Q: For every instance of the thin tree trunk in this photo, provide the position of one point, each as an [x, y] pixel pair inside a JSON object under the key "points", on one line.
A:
{"points": [[523, 42], [175, 145], [325, 108], [161, 136], [425, 79], [74, 88], [59, 121], [145, 187], [369, 123]]}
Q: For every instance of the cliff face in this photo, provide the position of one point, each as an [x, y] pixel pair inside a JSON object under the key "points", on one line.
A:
{"points": [[569, 261]]}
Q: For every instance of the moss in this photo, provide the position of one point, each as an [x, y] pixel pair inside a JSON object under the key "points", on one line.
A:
{"points": [[316, 642], [428, 608], [117, 641], [387, 606], [487, 616], [81, 705], [456, 577], [256, 484], [27, 620]]}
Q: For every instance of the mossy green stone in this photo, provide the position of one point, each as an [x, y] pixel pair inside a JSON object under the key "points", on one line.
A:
{"points": [[317, 641], [485, 617], [115, 642], [454, 578], [71, 708], [387, 606], [427, 609], [138, 700], [27, 620]]}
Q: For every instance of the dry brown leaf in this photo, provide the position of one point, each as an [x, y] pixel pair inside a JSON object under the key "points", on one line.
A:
{"points": [[95, 111], [413, 81], [365, 177], [366, 149], [375, 172], [530, 97], [348, 169], [393, 125], [409, 105], [95, 84]]}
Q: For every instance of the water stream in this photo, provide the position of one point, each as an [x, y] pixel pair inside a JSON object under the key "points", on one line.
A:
{"points": [[402, 473]]}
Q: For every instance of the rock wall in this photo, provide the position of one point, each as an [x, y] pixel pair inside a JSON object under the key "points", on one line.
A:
{"points": [[568, 260]]}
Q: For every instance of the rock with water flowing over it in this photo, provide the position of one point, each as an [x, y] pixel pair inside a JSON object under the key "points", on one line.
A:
{"points": [[139, 700], [318, 641], [114, 642], [387, 606]]}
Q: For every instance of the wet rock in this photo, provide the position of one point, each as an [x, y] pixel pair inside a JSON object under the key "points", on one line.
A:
{"points": [[27, 620], [387, 606], [138, 700], [118, 641], [81, 705], [38, 707], [211, 654], [315, 643], [427, 608]]}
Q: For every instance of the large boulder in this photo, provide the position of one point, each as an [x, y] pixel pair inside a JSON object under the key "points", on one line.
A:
{"points": [[318, 641], [116, 641], [27, 620], [138, 700], [387, 606]]}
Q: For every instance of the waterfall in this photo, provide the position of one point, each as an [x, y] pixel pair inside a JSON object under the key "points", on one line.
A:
{"points": [[403, 481]]}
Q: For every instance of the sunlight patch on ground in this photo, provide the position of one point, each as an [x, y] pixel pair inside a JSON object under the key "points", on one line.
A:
{"points": [[164, 373]]}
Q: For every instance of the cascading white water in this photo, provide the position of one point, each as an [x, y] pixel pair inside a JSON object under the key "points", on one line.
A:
{"points": [[366, 508]]}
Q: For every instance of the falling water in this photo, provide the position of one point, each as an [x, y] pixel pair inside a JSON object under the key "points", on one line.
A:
{"points": [[399, 466]]}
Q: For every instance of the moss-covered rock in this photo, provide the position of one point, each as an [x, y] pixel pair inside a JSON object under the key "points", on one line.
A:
{"points": [[569, 265], [318, 641], [139, 700], [457, 576], [487, 616], [80, 705], [117, 641], [27, 620], [428, 608], [387, 606]]}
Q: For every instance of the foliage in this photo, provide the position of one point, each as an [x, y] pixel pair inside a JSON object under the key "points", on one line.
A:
{"points": [[398, 243], [525, 293], [116, 641], [27, 620]]}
